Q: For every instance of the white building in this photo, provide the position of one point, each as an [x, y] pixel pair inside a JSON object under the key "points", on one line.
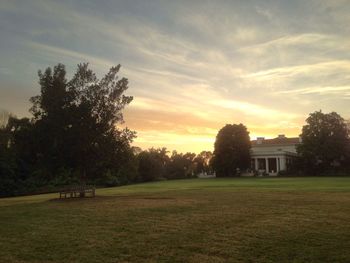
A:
{"points": [[270, 156]]}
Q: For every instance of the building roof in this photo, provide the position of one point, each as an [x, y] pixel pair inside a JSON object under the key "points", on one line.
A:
{"points": [[280, 140]]}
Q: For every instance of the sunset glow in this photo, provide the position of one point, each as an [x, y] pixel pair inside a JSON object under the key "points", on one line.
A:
{"points": [[193, 66]]}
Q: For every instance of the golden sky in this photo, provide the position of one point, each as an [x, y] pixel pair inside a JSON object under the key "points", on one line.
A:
{"points": [[193, 66]]}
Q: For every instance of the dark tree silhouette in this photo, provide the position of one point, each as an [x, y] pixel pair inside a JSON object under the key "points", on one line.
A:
{"points": [[181, 165], [77, 121], [325, 142], [152, 164], [203, 162], [17, 154], [231, 150]]}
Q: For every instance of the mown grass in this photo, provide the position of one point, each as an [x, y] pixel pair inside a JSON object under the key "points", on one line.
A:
{"points": [[200, 220]]}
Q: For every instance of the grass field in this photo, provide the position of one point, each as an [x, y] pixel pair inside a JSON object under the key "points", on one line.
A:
{"points": [[199, 220]]}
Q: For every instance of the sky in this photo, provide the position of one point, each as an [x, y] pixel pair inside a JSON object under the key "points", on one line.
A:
{"points": [[192, 66]]}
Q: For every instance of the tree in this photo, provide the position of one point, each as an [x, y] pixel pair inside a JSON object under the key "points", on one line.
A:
{"points": [[181, 165], [152, 164], [77, 121], [53, 116], [231, 150], [203, 162], [16, 155], [8, 180], [325, 142], [23, 141]]}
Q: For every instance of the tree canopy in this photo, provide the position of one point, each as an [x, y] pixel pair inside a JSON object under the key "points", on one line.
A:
{"points": [[203, 162], [152, 164], [231, 150], [73, 135], [325, 142], [77, 120]]}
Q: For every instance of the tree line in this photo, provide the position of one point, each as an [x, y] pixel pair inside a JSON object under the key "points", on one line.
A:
{"points": [[73, 137]]}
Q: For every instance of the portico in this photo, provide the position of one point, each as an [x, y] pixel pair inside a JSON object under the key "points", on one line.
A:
{"points": [[273, 155], [271, 164]]}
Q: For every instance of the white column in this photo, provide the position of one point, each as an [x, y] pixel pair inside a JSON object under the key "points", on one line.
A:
{"points": [[277, 164], [283, 163], [256, 164], [267, 165]]}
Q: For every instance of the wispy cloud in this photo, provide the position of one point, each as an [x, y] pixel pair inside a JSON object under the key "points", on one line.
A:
{"points": [[59, 52], [294, 71], [192, 67], [319, 90], [254, 109]]}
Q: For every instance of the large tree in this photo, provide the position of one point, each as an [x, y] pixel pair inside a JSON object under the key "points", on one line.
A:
{"points": [[231, 150], [77, 121], [325, 142]]}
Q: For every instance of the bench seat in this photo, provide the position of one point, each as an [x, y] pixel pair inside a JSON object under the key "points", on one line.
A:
{"points": [[77, 191]]}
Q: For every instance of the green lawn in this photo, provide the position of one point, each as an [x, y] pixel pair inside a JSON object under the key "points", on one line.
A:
{"points": [[199, 220]]}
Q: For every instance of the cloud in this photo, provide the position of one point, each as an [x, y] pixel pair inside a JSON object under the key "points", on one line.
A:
{"points": [[56, 51], [293, 71], [319, 90], [292, 41], [254, 109], [192, 67]]}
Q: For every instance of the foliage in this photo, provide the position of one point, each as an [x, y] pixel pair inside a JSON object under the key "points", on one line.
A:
{"points": [[15, 155], [77, 120], [325, 142], [231, 150], [203, 162], [73, 134], [181, 165], [155, 164], [8, 179], [152, 164]]}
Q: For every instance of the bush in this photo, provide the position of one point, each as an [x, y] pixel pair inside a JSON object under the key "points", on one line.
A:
{"points": [[9, 183], [64, 177]]}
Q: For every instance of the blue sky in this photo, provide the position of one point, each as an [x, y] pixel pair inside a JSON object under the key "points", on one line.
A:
{"points": [[193, 66]]}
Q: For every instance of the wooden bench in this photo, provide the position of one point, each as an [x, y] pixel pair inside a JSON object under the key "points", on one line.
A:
{"points": [[77, 191]]}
